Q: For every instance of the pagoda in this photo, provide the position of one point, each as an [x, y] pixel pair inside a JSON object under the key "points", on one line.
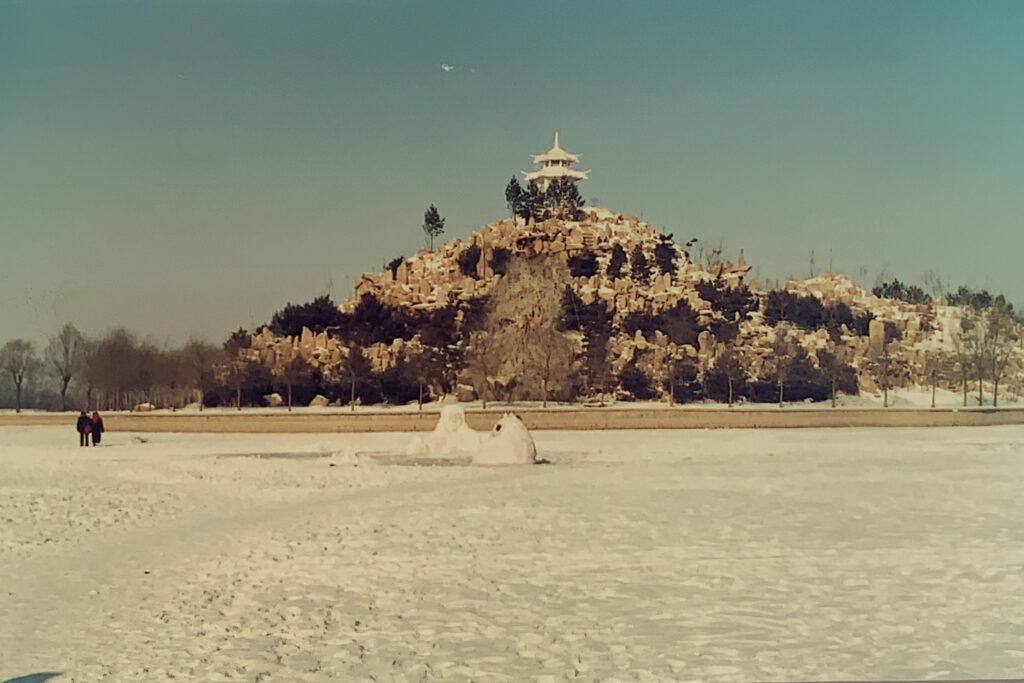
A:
{"points": [[554, 164]]}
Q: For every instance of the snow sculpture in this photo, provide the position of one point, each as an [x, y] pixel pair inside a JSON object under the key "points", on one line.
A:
{"points": [[509, 443], [451, 437]]}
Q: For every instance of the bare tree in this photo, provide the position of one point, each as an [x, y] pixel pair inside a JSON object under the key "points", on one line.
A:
{"points": [[355, 367], [18, 359], [962, 340], [889, 371], [783, 353], [481, 361], [199, 359], [551, 356], [833, 364], [934, 283], [932, 371], [293, 372], [65, 358], [729, 365], [426, 365], [1002, 337]]}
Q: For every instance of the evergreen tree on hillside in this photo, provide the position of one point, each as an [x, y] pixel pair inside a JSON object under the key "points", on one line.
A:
{"points": [[433, 224], [665, 255], [373, 321], [553, 199], [680, 323], [734, 303], [318, 315], [516, 199], [615, 263], [639, 268], [537, 202], [393, 265], [596, 324], [572, 202], [563, 200], [726, 380]]}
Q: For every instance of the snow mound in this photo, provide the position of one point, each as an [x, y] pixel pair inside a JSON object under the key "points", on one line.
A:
{"points": [[451, 437], [509, 443]]}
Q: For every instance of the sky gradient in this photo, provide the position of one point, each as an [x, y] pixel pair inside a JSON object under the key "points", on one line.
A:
{"points": [[183, 168]]}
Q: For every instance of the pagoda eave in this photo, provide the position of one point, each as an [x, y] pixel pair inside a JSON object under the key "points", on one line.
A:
{"points": [[556, 172]]}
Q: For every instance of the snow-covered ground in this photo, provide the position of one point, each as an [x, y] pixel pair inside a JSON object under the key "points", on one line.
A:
{"points": [[711, 555], [909, 398]]}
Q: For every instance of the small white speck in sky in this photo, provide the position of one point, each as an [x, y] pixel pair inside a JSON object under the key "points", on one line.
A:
{"points": [[447, 67]]}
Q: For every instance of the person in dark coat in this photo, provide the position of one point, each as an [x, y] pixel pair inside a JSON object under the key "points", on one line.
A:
{"points": [[97, 428], [84, 427]]}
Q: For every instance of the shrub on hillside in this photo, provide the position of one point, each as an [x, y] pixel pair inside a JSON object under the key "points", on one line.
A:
{"points": [[318, 315], [615, 262], [583, 265], [394, 263], [398, 384], [637, 383], [665, 255], [892, 333], [806, 312], [684, 383], [716, 385], [680, 323], [734, 303], [643, 321], [499, 260], [468, 259], [803, 380], [373, 321], [897, 290]]}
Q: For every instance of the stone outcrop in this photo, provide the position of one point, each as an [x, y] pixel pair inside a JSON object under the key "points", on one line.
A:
{"points": [[435, 279]]}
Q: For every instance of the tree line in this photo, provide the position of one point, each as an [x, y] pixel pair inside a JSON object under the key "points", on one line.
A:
{"points": [[113, 372]]}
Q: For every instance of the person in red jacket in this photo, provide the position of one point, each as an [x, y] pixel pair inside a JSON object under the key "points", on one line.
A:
{"points": [[84, 427], [97, 428]]}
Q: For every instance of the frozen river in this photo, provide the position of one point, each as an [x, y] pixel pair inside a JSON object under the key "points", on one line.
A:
{"points": [[634, 555]]}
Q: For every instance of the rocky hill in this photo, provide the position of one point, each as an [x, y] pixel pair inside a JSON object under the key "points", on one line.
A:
{"points": [[635, 315]]}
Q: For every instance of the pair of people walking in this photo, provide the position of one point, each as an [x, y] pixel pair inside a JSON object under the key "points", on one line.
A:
{"points": [[89, 427]]}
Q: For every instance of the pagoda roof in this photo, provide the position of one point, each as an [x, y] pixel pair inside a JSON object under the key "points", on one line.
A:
{"points": [[556, 153], [556, 172]]}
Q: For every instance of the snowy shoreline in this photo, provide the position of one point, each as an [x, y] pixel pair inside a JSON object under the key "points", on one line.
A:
{"points": [[649, 417]]}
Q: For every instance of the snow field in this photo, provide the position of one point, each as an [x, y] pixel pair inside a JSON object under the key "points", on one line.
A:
{"points": [[689, 555]]}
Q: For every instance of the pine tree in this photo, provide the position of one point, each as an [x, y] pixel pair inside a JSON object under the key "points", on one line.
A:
{"points": [[514, 197], [433, 224], [570, 201], [553, 199], [640, 269], [665, 255], [618, 259], [535, 200]]}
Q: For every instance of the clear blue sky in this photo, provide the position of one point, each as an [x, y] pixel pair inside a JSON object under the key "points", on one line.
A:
{"points": [[187, 167]]}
